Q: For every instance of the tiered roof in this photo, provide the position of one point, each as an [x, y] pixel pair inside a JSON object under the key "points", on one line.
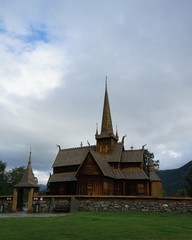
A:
{"points": [[28, 179]]}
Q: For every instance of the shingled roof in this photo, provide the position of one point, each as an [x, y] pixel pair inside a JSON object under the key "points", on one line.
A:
{"points": [[117, 154], [103, 165], [134, 174], [153, 176], [71, 156], [76, 156], [63, 177], [28, 179], [132, 155], [118, 174]]}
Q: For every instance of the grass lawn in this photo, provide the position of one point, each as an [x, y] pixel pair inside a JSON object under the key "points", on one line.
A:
{"points": [[92, 226]]}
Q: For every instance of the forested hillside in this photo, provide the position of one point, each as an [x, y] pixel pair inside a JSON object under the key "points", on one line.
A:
{"points": [[174, 179]]}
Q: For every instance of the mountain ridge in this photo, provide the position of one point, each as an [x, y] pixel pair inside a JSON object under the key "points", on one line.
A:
{"points": [[173, 180]]}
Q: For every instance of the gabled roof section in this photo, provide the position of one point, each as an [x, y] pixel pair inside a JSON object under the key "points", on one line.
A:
{"points": [[153, 176], [117, 153], [130, 174], [103, 165], [75, 156], [132, 156], [63, 177], [28, 178], [101, 162], [71, 156], [134, 174], [118, 174]]}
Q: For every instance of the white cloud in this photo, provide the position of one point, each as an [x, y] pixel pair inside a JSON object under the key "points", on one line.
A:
{"points": [[41, 176], [32, 73], [171, 153], [29, 69]]}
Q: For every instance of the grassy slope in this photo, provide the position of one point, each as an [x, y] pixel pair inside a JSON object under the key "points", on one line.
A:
{"points": [[117, 226]]}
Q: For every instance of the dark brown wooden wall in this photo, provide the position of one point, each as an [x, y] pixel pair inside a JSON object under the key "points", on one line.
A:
{"points": [[90, 185], [105, 145], [89, 167], [63, 188], [135, 188]]}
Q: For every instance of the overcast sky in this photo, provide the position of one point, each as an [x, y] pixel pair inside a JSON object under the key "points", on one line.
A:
{"points": [[54, 56]]}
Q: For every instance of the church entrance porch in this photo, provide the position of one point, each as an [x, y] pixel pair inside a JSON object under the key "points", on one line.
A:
{"points": [[23, 199]]}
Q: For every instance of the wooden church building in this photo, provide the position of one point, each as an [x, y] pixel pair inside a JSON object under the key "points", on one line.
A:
{"points": [[105, 168]]}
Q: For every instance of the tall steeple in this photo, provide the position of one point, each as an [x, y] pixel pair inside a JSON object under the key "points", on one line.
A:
{"points": [[106, 139], [106, 126]]}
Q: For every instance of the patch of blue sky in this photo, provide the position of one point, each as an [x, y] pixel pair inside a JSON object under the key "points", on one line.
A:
{"points": [[28, 40], [36, 35], [2, 27]]}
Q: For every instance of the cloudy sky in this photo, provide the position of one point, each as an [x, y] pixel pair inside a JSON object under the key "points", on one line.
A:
{"points": [[54, 56]]}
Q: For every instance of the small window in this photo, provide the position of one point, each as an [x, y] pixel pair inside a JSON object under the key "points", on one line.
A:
{"points": [[118, 189], [61, 189], [140, 188]]}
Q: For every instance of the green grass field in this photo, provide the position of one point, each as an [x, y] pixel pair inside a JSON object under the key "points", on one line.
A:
{"points": [[92, 226]]}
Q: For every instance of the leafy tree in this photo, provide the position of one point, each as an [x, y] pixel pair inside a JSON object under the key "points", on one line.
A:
{"points": [[3, 178], [13, 177], [148, 158], [189, 183], [9, 178]]}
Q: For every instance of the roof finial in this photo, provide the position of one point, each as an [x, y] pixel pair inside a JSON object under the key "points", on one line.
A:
{"points": [[124, 138], [144, 146], [58, 147], [117, 135], [29, 156], [88, 143], [106, 77], [96, 129]]}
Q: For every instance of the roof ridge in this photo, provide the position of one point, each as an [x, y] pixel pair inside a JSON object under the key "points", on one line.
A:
{"points": [[98, 153], [72, 148], [138, 149]]}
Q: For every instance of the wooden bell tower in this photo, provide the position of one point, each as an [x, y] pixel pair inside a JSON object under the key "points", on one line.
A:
{"points": [[28, 183]]}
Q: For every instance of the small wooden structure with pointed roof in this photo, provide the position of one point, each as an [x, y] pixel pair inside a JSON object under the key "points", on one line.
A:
{"points": [[105, 168], [28, 182]]}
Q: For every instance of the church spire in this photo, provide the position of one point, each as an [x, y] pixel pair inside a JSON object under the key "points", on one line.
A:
{"points": [[106, 140], [106, 126]]}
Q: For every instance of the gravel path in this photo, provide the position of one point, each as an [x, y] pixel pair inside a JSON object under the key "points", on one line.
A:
{"points": [[27, 215]]}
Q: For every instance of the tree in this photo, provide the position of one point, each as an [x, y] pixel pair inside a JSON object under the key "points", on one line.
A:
{"points": [[148, 158], [3, 178], [182, 192], [13, 177], [9, 178], [188, 185]]}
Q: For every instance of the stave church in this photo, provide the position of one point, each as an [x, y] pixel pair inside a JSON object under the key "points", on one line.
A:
{"points": [[105, 168]]}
